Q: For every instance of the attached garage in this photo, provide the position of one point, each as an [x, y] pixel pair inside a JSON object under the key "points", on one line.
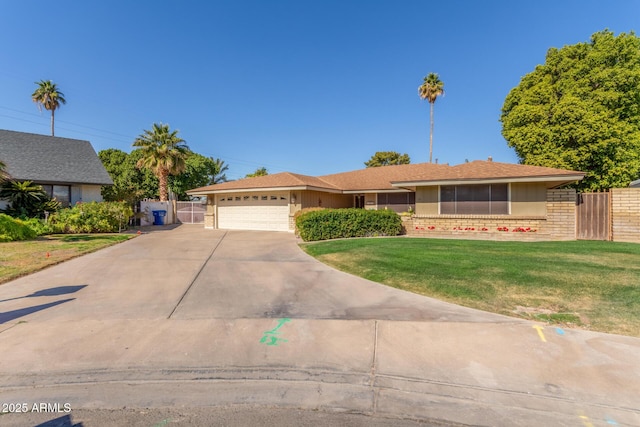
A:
{"points": [[268, 211]]}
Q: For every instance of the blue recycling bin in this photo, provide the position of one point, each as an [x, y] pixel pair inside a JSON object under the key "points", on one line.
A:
{"points": [[158, 217]]}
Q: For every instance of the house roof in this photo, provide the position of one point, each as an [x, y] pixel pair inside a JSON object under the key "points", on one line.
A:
{"points": [[400, 178], [282, 180], [479, 171], [51, 160], [380, 178]]}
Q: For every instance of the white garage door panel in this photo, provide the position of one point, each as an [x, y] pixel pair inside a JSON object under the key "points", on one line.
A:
{"points": [[270, 215]]}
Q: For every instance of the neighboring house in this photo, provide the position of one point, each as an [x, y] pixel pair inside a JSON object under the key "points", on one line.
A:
{"points": [[635, 184], [67, 169], [479, 195]]}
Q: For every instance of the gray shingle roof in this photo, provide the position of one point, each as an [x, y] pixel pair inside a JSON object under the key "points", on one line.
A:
{"points": [[51, 160]]}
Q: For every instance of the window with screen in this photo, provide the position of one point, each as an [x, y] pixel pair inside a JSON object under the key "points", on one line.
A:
{"points": [[480, 199]]}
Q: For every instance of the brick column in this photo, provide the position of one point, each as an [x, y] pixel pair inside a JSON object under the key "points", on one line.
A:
{"points": [[209, 216], [625, 214], [561, 214]]}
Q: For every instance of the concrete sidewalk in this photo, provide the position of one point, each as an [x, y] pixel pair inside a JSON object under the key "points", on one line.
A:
{"points": [[142, 333]]}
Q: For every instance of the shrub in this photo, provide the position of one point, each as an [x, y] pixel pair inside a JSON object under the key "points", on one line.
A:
{"points": [[27, 199], [92, 217], [302, 212], [38, 225], [340, 223], [15, 229]]}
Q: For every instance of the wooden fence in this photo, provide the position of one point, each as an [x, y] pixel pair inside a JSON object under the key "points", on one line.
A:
{"points": [[593, 216]]}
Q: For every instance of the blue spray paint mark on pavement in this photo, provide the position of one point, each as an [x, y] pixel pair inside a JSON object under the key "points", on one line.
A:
{"points": [[560, 331]]}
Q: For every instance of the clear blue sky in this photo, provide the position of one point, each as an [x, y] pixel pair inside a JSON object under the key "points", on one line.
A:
{"points": [[312, 87]]}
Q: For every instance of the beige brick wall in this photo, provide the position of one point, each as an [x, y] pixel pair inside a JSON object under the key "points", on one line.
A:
{"points": [[483, 227], [210, 214], [559, 223], [561, 214], [625, 214]]}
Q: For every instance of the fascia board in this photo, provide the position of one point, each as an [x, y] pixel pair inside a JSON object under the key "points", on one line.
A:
{"points": [[550, 179], [257, 190], [386, 190]]}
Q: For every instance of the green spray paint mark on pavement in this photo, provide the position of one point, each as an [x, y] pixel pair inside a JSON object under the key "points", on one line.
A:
{"points": [[270, 337], [161, 423]]}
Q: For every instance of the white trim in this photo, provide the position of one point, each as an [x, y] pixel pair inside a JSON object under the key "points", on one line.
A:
{"points": [[551, 179]]}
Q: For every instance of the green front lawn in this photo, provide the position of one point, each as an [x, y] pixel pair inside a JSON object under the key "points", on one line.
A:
{"points": [[25, 257], [587, 284]]}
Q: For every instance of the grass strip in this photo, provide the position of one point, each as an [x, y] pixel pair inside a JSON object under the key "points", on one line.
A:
{"points": [[587, 284], [25, 257]]}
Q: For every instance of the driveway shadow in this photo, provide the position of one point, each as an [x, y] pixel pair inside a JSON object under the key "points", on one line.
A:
{"points": [[51, 292], [14, 314], [64, 421]]}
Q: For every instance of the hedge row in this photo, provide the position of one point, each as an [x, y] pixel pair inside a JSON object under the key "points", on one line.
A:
{"points": [[92, 217], [341, 223], [15, 229]]}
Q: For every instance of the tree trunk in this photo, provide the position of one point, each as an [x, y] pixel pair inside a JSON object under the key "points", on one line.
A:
{"points": [[431, 134], [52, 113], [162, 184]]}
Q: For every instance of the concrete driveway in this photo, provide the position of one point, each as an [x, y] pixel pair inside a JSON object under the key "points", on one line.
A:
{"points": [[199, 318]]}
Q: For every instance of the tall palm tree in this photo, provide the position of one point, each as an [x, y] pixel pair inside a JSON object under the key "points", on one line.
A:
{"points": [[430, 89], [48, 96], [164, 153]]}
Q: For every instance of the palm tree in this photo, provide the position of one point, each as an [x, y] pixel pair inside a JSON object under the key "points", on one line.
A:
{"points": [[164, 153], [26, 198], [220, 175], [48, 96], [259, 172], [430, 89]]}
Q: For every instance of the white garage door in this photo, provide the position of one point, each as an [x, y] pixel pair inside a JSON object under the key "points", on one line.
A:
{"points": [[259, 211]]}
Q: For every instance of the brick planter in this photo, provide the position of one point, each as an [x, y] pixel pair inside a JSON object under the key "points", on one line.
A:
{"points": [[558, 224]]}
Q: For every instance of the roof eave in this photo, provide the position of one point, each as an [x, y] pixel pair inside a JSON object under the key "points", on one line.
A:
{"points": [[58, 182], [204, 192], [379, 190], [564, 179]]}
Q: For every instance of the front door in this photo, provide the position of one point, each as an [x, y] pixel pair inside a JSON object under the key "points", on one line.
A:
{"points": [[359, 201]]}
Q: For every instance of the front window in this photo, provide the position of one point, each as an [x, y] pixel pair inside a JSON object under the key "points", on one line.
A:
{"points": [[62, 193], [481, 199], [398, 202]]}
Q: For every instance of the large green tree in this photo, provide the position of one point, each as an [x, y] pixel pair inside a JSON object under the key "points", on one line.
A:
{"points": [[48, 95], [129, 182], [430, 89], [132, 184], [580, 110], [164, 153], [386, 158]]}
